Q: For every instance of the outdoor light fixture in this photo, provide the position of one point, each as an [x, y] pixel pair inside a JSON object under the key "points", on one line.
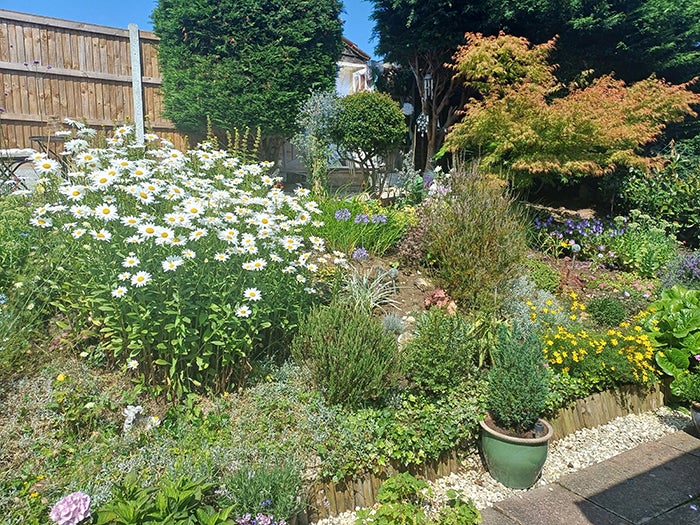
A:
{"points": [[428, 86]]}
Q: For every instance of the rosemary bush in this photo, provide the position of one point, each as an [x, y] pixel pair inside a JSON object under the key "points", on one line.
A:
{"points": [[351, 357]]}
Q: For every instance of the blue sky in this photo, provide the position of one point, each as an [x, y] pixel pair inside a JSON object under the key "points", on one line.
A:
{"points": [[120, 13]]}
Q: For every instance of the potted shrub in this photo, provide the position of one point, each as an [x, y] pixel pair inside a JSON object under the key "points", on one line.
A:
{"points": [[687, 388], [514, 439]]}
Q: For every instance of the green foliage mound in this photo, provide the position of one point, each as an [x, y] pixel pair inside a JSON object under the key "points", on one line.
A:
{"points": [[606, 311], [351, 357], [442, 353]]}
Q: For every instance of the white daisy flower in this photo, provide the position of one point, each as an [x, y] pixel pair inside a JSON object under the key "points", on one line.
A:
{"points": [[132, 364], [198, 234], [119, 291], [124, 276], [130, 261], [130, 220], [46, 166], [41, 222], [80, 211], [252, 293], [106, 212], [78, 233], [171, 263], [102, 235], [188, 254], [140, 279], [221, 257], [243, 311], [148, 229]]}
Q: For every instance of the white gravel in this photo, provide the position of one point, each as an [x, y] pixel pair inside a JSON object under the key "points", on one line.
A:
{"points": [[569, 454]]}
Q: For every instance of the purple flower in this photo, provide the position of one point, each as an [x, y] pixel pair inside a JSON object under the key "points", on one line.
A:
{"points": [[360, 254], [379, 218], [361, 218], [342, 214], [71, 509]]}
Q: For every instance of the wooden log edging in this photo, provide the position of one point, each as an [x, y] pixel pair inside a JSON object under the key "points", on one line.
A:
{"points": [[331, 499]]}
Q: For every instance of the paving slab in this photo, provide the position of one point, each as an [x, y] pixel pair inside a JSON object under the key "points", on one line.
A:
{"points": [[688, 514], [492, 516], [685, 441], [640, 484], [555, 505]]}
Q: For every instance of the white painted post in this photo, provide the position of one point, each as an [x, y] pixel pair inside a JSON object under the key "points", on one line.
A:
{"points": [[136, 84]]}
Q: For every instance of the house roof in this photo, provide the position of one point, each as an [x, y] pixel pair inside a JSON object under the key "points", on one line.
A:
{"points": [[352, 53]]}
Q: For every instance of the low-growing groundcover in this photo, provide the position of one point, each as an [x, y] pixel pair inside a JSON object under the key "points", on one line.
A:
{"points": [[209, 410]]}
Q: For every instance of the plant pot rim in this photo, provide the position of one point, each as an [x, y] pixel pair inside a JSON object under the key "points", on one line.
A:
{"points": [[695, 405], [519, 440]]}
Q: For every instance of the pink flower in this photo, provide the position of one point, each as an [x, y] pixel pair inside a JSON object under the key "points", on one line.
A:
{"points": [[71, 509], [697, 357]]}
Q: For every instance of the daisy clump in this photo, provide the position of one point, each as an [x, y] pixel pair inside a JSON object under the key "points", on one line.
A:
{"points": [[189, 263]]}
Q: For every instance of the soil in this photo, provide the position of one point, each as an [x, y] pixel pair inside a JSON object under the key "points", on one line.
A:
{"points": [[489, 422]]}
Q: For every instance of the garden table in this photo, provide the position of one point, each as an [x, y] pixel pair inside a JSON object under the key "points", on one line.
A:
{"points": [[10, 161]]}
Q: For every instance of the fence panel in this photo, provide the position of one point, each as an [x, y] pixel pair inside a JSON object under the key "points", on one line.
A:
{"points": [[51, 69]]}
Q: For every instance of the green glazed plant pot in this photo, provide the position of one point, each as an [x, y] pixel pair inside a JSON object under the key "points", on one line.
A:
{"points": [[515, 462], [695, 415]]}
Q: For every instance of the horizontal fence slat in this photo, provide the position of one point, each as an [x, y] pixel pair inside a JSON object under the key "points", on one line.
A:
{"points": [[75, 73]]}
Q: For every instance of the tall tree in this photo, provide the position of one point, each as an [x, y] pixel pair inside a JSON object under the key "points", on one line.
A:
{"points": [[423, 35], [632, 38], [245, 63]]}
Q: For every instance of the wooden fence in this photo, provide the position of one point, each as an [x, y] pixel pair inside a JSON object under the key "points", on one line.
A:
{"points": [[51, 69]]}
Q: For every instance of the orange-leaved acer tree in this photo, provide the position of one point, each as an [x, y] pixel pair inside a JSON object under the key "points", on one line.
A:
{"points": [[526, 127]]}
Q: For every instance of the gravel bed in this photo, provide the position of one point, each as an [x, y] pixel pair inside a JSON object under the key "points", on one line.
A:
{"points": [[569, 454]]}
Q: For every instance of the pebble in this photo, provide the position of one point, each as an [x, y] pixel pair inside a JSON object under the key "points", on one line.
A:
{"points": [[574, 452]]}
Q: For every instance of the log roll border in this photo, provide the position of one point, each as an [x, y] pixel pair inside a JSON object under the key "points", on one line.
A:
{"points": [[331, 499]]}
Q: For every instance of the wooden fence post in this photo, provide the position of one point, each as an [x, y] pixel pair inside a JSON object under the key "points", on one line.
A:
{"points": [[136, 84]]}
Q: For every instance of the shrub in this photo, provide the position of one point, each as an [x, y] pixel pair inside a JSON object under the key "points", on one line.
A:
{"points": [[413, 429], [518, 380], [365, 292], [185, 263], [178, 501], [674, 327], [400, 502], [351, 357], [443, 352], [606, 311], [527, 306], [475, 239], [315, 121], [670, 192], [369, 126], [458, 511]]}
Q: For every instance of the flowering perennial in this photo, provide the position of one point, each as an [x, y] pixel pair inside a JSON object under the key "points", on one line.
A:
{"points": [[207, 250], [71, 509]]}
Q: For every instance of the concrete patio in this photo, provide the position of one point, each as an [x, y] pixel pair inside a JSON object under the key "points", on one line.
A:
{"points": [[657, 483]]}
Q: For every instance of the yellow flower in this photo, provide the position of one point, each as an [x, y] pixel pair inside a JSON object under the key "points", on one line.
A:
{"points": [[60, 377]]}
